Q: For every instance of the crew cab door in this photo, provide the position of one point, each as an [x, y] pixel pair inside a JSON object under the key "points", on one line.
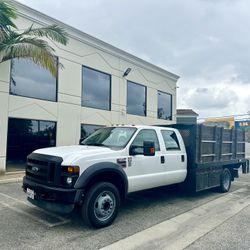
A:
{"points": [[144, 171], [174, 153]]}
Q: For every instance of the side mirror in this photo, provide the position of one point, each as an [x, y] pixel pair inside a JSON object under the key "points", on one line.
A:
{"points": [[148, 148]]}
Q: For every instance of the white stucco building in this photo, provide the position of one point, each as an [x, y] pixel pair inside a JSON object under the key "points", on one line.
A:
{"points": [[37, 110]]}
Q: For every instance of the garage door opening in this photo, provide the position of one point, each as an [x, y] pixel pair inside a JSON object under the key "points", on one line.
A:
{"points": [[25, 136]]}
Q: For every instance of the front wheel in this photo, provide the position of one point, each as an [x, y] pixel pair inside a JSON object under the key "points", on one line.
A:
{"points": [[101, 205], [225, 181]]}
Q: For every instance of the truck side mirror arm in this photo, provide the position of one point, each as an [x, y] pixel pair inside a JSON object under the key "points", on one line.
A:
{"points": [[132, 150]]}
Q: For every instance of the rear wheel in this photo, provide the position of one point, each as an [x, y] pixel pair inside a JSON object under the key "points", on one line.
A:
{"points": [[101, 205], [225, 181]]}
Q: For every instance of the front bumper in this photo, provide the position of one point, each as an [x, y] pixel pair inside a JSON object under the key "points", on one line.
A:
{"points": [[51, 198]]}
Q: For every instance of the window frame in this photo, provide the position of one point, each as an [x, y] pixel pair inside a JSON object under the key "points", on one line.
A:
{"points": [[171, 105], [110, 88], [146, 92], [57, 76]]}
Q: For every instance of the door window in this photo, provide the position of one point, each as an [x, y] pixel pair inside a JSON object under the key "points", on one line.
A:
{"points": [[146, 135], [170, 140]]}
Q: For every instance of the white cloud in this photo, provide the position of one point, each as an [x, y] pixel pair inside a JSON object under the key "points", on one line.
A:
{"points": [[215, 99]]}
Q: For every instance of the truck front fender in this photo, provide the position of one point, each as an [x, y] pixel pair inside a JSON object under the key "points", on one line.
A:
{"points": [[100, 169]]}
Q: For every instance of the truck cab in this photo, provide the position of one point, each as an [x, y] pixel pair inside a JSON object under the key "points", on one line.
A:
{"points": [[106, 166]]}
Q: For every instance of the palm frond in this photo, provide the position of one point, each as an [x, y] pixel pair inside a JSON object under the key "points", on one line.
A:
{"points": [[28, 44], [12, 38], [3, 35], [34, 49], [7, 12], [53, 32]]}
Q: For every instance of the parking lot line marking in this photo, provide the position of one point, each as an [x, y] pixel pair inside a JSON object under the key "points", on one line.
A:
{"points": [[26, 214], [63, 220]]}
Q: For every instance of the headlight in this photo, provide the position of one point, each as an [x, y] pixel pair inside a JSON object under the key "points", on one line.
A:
{"points": [[69, 175]]}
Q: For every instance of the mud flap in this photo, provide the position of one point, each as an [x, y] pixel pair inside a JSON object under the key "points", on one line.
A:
{"points": [[245, 167]]}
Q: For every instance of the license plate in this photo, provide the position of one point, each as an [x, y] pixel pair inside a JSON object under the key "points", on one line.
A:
{"points": [[30, 193]]}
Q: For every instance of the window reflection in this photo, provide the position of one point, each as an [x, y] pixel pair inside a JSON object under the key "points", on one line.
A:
{"points": [[136, 99], [25, 136], [30, 80], [96, 88], [47, 134], [87, 130], [164, 106]]}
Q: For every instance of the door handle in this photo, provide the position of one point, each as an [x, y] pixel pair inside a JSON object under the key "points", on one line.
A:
{"points": [[162, 159], [182, 158]]}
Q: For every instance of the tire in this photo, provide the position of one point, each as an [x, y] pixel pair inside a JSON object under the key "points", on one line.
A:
{"points": [[225, 181], [101, 205]]}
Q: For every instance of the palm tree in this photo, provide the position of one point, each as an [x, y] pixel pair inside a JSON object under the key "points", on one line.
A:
{"points": [[28, 44]]}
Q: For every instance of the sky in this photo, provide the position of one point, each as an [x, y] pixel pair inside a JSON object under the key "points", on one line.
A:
{"points": [[205, 42]]}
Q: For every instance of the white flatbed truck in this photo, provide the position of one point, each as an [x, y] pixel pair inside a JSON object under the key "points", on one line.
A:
{"points": [[114, 161]]}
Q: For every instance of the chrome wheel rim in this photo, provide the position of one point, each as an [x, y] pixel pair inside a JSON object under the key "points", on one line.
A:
{"points": [[104, 205]]}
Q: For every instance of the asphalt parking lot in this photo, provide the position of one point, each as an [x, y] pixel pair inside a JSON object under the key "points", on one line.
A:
{"points": [[24, 226]]}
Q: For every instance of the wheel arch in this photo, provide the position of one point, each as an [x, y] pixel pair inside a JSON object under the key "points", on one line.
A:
{"points": [[106, 172], [230, 167]]}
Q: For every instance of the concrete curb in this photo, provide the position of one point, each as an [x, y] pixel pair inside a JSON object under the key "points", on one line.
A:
{"points": [[182, 230], [11, 180]]}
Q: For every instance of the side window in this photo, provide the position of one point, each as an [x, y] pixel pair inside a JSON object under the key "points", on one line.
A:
{"points": [[146, 135], [170, 140]]}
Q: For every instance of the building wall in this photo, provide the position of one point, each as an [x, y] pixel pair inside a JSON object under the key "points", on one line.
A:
{"points": [[83, 50]]}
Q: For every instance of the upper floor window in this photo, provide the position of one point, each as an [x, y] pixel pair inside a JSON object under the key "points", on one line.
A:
{"points": [[96, 89], [31, 80], [170, 140], [164, 106], [136, 99]]}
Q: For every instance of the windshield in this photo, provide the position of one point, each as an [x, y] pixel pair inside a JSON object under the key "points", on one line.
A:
{"points": [[117, 137]]}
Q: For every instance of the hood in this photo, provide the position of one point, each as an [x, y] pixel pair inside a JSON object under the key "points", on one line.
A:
{"points": [[73, 152]]}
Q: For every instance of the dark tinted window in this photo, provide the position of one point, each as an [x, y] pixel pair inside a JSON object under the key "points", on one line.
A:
{"points": [[87, 130], [164, 106], [136, 99], [170, 140], [30, 80], [25, 136], [146, 135], [96, 88]]}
